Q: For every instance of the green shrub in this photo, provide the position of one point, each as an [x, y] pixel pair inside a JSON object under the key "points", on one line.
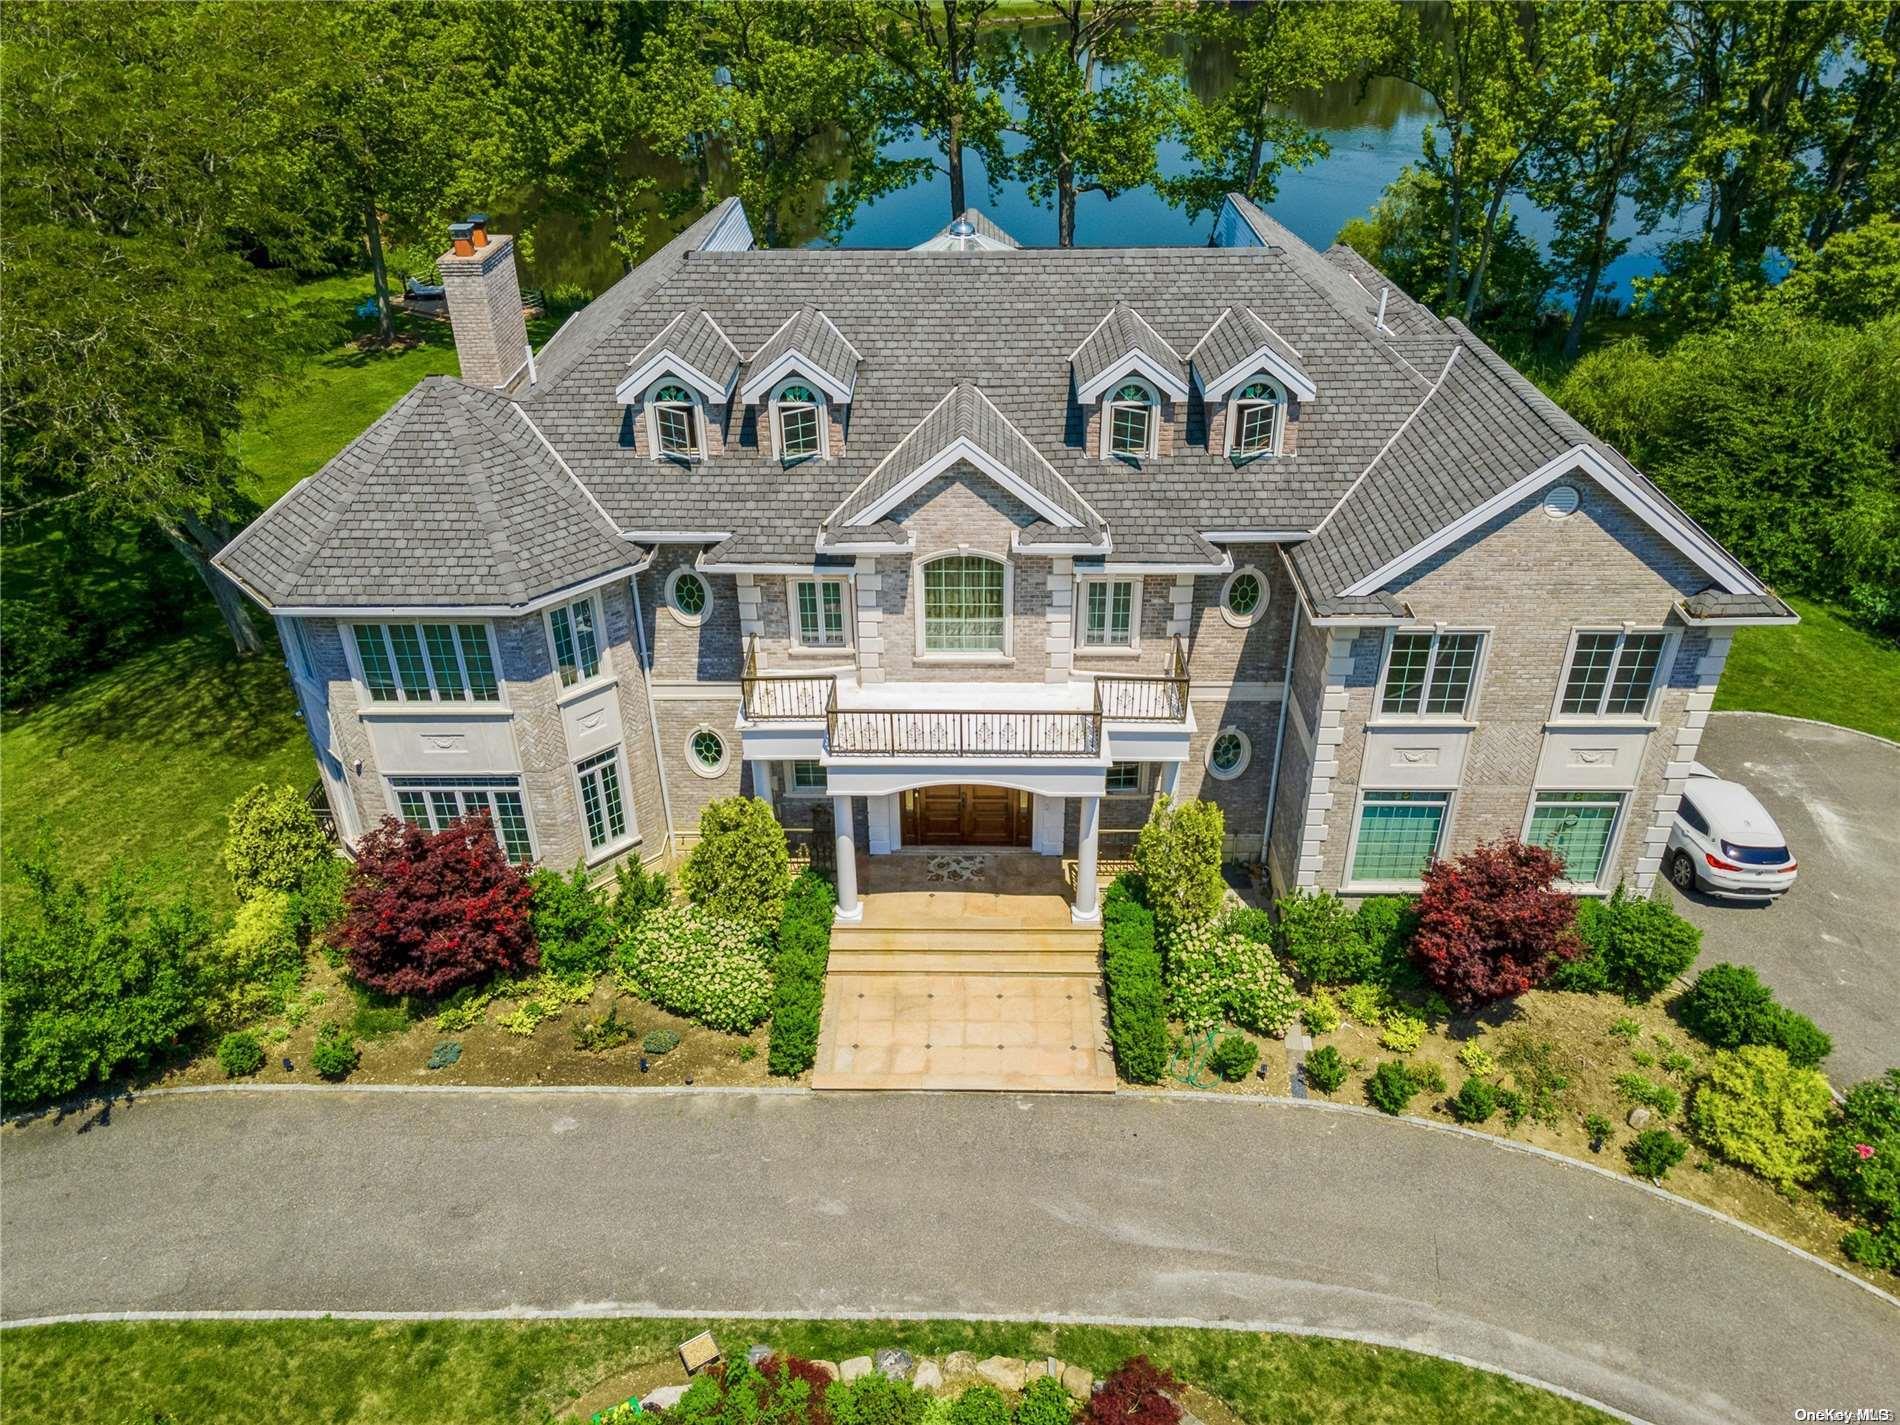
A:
{"points": [[1250, 923], [1626, 1029], [571, 925], [1728, 1006], [1046, 1402], [538, 998], [317, 904], [1635, 1088], [701, 966], [274, 840], [1391, 1087], [1320, 1014], [1428, 1076], [1402, 1033], [1178, 854], [1797, 1036], [1322, 940], [240, 1054], [1475, 1057], [1653, 1152], [739, 869], [874, 1399], [1324, 1069], [1386, 924], [1364, 1005], [445, 1055], [1756, 1109], [1587, 974], [1209, 978], [636, 891], [1876, 1247], [980, 1405], [1477, 1100], [1512, 1105], [1234, 1057], [335, 1054], [798, 979], [1598, 1129], [1641, 942], [1862, 1157], [660, 1041], [1137, 1012], [242, 965]]}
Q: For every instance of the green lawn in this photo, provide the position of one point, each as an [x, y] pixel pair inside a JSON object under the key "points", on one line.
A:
{"points": [[477, 1372], [1824, 668]]}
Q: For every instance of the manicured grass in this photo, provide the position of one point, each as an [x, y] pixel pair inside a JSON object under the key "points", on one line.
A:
{"points": [[1824, 668], [140, 761], [477, 1372]]}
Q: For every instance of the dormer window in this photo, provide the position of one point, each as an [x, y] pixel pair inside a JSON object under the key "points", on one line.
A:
{"points": [[1259, 413], [1131, 421], [797, 416], [675, 421]]}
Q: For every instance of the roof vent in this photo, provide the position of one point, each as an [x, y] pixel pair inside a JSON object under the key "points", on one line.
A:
{"points": [[963, 228], [1561, 501]]}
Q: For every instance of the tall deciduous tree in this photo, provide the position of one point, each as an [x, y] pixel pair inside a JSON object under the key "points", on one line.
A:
{"points": [[1860, 125], [1240, 139], [1097, 96]]}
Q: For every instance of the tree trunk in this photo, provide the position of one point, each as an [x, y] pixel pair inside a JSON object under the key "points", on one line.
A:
{"points": [[953, 161], [1475, 288], [194, 539], [1255, 154], [1587, 291], [385, 314], [1065, 204], [1457, 196]]}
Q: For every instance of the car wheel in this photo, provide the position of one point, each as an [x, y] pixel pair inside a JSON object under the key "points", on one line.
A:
{"points": [[1682, 871]]}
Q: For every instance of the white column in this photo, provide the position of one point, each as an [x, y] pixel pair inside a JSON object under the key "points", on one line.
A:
{"points": [[849, 908], [1170, 778], [1086, 911], [762, 782]]}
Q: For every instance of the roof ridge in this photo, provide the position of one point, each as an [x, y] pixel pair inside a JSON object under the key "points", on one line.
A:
{"points": [[487, 499], [891, 454], [1391, 441], [1061, 480]]}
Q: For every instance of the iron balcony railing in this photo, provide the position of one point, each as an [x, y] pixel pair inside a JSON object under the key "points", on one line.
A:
{"points": [[946, 732]]}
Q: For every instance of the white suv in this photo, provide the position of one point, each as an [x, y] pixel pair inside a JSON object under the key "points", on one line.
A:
{"points": [[1724, 842]]}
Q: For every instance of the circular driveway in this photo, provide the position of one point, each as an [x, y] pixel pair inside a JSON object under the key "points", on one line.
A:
{"points": [[1270, 1214], [1831, 946]]}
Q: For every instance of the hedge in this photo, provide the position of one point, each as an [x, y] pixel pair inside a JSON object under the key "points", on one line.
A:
{"points": [[1137, 1020], [798, 992]]}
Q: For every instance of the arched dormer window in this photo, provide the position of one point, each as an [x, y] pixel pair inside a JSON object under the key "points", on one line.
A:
{"points": [[798, 421], [1131, 421], [675, 421], [1258, 418]]}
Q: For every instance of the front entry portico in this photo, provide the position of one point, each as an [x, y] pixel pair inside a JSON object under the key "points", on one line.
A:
{"points": [[965, 814]]}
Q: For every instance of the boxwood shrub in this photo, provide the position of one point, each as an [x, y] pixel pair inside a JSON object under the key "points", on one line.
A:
{"points": [[798, 983], [1137, 1015], [701, 966], [1728, 1006], [1323, 940], [1632, 945], [1324, 1069], [1391, 1087], [1234, 1057]]}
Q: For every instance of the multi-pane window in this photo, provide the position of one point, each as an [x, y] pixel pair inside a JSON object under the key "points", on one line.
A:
{"points": [[1124, 778], [1578, 827], [429, 662], [963, 605], [1131, 420], [1229, 753], [687, 594], [819, 605], [1612, 674], [435, 802], [1256, 416], [1243, 594], [1431, 674], [1399, 834], [798, 435], [674, 421], [577, 640], [603, 803], [1108, 613], [808, 777]]}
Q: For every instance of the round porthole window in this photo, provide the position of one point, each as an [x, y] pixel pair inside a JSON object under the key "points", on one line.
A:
{"points": [[706, 752], [688, 596], [1243, 598], [1228, 754], [1561, 501]]}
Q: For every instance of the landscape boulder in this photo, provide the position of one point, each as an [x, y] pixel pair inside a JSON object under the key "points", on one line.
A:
{"points": [[758, 1353], [1639, 1116], [927, 1376], [959, 1364], [1003, 1372], [1078, 1382], [830, 1368], [892, 1363], [853, 1368]]}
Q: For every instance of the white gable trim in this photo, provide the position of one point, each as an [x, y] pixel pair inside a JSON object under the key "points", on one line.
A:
{"points": [[1264, 359], [963, 448], [760, 383], [1132, 363], [1684, 537]]}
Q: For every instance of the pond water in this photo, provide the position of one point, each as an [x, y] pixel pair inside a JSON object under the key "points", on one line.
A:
{"points": [[1373, 129]]}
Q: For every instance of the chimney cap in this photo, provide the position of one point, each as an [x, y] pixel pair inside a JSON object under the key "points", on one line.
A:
{"points": [[479, 220], [461, 230]]}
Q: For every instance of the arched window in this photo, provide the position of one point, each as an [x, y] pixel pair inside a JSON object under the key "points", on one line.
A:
{"points": [[965, 605], [1259, 409], [675, 421], [1131, 421], [795, 410]]}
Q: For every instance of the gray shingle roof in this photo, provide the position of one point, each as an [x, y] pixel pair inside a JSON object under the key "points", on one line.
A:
{"points": [[451, 498], [1238, 338], [990, 237], [820, 347], [695, 339], [1715, 604], [1122, 332]]}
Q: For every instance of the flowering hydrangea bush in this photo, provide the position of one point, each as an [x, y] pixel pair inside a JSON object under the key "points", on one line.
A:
{"points": [[696, 964], [1211, 977]]}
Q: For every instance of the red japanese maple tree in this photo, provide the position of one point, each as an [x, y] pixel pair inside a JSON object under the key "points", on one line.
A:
{"points": [[1137, 1392], [427, 912], [1489, 924]]}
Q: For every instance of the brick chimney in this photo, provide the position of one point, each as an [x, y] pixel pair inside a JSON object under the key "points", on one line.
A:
{"points": [[484, 296]]}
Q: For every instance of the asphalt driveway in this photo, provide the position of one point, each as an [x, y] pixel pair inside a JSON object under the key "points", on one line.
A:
{"points": [[1831, 946], [1270, 1214]]}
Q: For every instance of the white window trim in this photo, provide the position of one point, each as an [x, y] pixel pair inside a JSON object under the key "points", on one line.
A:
{"points": [[479, 706], [1259, 610], [725, 760], [820, 403], [1645, 718], [1109, 403], [1610, 848], [1008, 655], [1468, 718], [1130, 649], [795, 792], [671, 603], [1144, 791], [1234, 403], [595, 855], [603, 674], [651, 414], [794, 635], [527, 803], [1246, 755], [1446, 826]]}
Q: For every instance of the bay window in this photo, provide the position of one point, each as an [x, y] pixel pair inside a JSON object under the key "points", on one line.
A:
{"points": [[427, 662], [1430, 674]]}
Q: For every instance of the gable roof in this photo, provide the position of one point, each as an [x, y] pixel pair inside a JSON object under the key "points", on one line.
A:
{"points": [[1240, 344], [985, 236], [691, 347], [1122, 343], [810, 344], [966, 427], [451, 499]]}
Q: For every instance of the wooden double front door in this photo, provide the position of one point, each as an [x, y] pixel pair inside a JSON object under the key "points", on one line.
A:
{"points": [[966, 816]]}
